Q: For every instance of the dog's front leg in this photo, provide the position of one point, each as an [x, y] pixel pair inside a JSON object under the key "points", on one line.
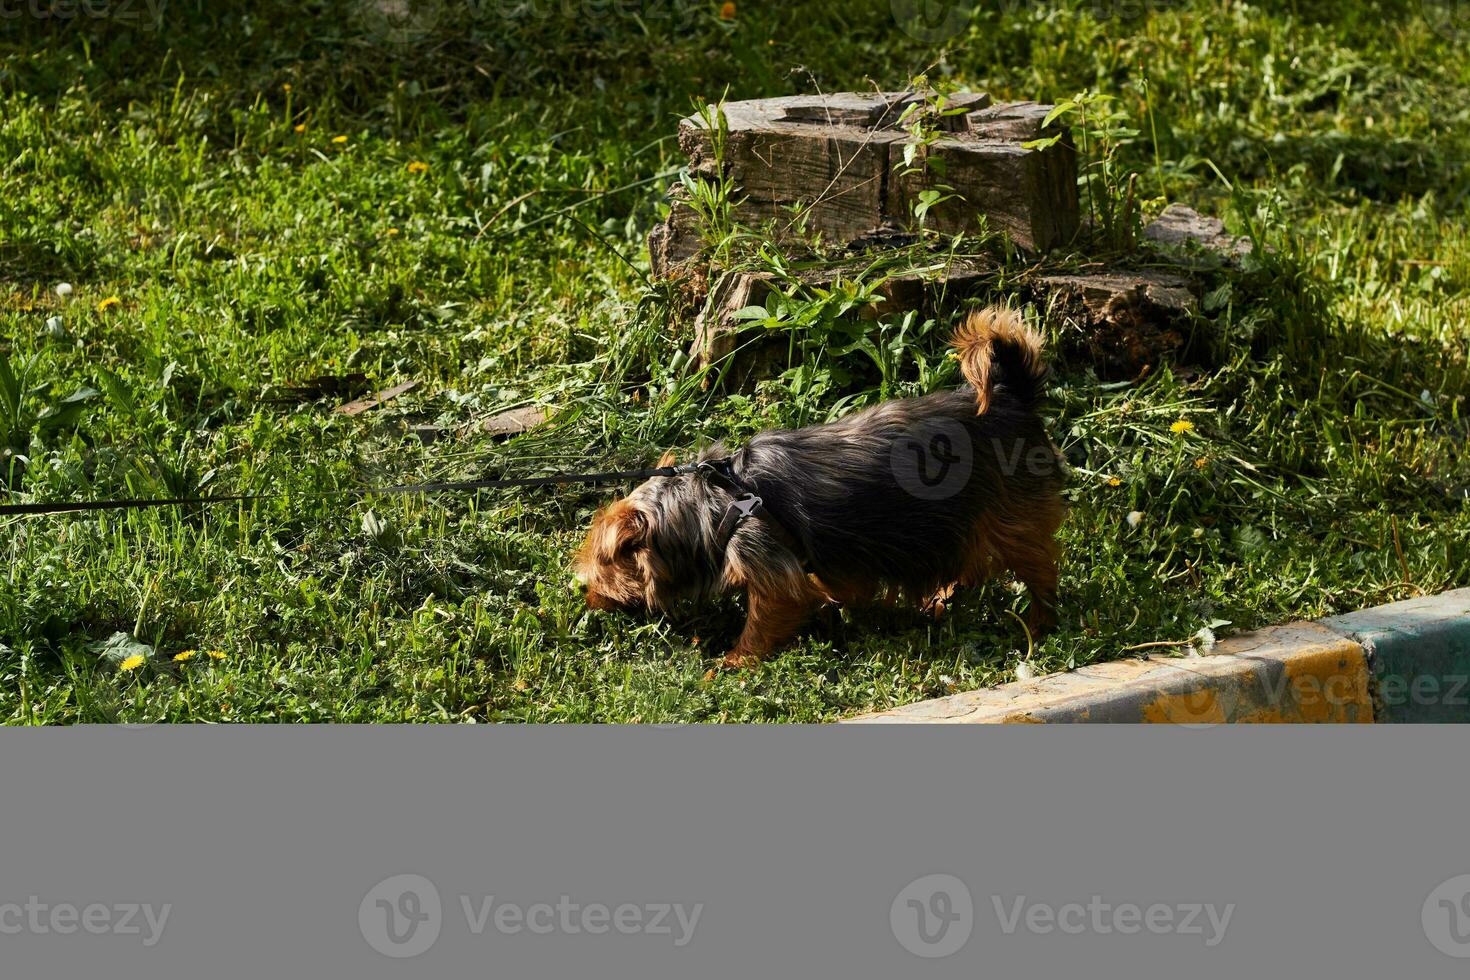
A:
{"points": [[771, 619]]}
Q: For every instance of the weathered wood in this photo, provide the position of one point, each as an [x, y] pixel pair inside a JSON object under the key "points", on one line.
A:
{"points": [[675, 241], [1030, 195], [832, 166], [377, 400], [1129, 321], [513, 422], [1185, 229], [1126, 320]]}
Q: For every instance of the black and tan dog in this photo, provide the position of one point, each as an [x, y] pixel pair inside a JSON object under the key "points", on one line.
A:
{"points": [[906, 499]]}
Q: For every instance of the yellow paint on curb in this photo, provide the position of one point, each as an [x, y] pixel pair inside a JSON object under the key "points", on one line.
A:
{"points": [[1296, 673]]}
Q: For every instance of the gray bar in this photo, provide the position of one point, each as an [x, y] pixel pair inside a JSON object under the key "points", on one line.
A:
{"points": [[708, 852]]}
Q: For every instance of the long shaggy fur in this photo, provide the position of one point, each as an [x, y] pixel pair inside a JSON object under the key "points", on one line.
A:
{"points": [[853, 494]]}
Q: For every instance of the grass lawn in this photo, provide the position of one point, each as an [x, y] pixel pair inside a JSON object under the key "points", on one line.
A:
{"points": [[244, 203]]}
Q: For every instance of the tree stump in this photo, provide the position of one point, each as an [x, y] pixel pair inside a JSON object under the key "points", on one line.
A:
{"points": [[833, 165]]}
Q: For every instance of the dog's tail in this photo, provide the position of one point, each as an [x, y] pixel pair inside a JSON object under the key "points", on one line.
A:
{"points": [[996, 349]]}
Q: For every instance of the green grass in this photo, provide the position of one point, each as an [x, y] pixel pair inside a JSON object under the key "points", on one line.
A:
{"points": [[163, 167]]}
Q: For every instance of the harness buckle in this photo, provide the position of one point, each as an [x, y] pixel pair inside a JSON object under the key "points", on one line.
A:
{"points": [[748, 505]]}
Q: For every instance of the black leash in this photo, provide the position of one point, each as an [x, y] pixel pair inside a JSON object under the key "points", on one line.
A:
{"points": [[80, 506]]}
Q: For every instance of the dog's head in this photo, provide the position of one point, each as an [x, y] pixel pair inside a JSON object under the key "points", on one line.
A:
{"points": [[615, 567], [650, 549], [622, 564]]}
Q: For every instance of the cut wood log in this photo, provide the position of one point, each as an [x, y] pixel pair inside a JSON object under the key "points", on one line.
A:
{"points": [[1127, 321], [833, 167], [1120, 320]]}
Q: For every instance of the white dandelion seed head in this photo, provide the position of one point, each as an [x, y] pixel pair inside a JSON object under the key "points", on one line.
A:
{"points": [[1024, 671], [1134, 518], [55, 328], [63, 289]]}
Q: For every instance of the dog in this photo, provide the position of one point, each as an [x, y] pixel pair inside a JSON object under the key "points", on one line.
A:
{"points": [[903, 501]]}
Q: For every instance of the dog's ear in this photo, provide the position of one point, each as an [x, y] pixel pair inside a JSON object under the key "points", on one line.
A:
{"points": [[618, 529], [667, 459], [629, 529]]}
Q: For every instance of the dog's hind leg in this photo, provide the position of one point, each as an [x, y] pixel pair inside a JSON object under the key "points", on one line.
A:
{"points": [[1030, 551], [1037, 568]]}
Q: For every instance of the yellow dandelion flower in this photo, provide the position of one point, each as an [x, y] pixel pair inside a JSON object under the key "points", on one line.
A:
{"points": [[286, 87], [727, 12], [132, 663], [1113, 481], [1201, 463], [184, 656], [108, 304], [339, 140], [300, 127], [391, 232], [1181, 426], [216, 655], [418, 167]]}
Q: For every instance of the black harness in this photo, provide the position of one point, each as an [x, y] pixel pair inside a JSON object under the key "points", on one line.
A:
{"points": [[746, 505]]}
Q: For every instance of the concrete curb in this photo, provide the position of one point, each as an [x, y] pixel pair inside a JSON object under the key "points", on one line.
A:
{"points": [[1419, 655], [1408, 661]]}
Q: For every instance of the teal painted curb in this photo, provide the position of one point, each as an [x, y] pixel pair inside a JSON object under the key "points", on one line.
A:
{"points": [[1418, 656]]}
